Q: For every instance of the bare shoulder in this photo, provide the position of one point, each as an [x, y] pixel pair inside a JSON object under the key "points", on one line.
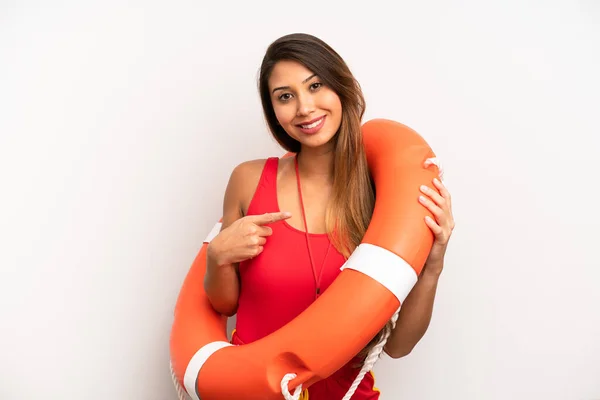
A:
{"points": [[244, 180], [250, 167], [247, 174]]}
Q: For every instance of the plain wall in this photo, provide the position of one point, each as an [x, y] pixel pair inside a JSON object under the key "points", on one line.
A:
{"points": [[120, 125]]}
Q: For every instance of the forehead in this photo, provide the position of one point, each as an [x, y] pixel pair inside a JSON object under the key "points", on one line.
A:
{"points": [[288, 73]]}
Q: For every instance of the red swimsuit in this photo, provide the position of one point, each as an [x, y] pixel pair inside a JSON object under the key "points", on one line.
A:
{"points": [[279, 284]]}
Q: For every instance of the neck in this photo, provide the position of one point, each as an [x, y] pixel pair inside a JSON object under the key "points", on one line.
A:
{"points": [[316, 163]]}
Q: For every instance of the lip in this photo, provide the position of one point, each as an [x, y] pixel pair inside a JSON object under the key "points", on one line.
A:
{"points": [[315, 129], [309, 122]]}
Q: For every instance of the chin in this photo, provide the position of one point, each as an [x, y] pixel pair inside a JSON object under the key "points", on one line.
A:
{"points": [[317, 140]]}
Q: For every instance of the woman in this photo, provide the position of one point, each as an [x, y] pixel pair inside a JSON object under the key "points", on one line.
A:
{"points": [[289, 224]]}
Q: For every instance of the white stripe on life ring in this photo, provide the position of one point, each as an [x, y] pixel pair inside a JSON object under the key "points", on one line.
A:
{"points": [[195, 365], [213, 232], [385, 267]]}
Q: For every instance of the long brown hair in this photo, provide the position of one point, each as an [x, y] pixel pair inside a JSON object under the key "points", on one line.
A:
{"points": [[351, 206]]}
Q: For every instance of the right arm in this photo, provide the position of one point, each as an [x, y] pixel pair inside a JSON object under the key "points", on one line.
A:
{"points": [[221, 282], [241, 237]]}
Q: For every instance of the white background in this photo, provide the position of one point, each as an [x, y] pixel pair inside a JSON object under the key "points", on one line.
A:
{"points": [[120, 125]]}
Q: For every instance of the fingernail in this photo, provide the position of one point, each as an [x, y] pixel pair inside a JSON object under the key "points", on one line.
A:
{"points": [[424, 188], [436, 180], [287, 214], [421, 199]]}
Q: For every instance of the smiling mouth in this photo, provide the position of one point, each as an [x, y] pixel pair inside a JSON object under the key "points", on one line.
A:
{"points": [[312, 124]]}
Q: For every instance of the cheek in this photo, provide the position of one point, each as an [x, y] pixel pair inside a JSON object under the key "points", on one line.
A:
{"points": [[284, 114], [332, 102]]}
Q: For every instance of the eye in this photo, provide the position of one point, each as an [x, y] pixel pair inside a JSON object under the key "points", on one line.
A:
{"points": [[315, 86], [285, 97]]}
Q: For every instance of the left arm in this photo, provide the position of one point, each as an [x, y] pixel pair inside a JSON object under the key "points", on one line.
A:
{"points": [[415, 313], [414, 316]]}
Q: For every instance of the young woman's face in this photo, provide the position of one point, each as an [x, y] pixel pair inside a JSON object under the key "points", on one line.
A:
{"points": [[309, 111]]}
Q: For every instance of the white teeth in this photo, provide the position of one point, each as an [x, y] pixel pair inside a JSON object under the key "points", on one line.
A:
{"points": [[312, 125]]}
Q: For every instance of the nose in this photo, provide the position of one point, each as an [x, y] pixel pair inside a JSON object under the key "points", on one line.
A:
{"points": [[306, 105]]}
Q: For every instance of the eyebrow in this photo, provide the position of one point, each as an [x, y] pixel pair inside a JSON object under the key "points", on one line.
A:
{"points": [[287, 87]]}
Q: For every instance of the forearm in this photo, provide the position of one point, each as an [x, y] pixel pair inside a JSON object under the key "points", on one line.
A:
{"points": [[221, 284], [414, 317]]}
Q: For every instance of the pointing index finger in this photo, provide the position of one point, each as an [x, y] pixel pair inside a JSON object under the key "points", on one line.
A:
{"points": [[269, 218]]}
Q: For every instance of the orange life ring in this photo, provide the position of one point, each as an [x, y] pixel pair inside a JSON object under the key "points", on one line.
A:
{"points": [[379, 274]]}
